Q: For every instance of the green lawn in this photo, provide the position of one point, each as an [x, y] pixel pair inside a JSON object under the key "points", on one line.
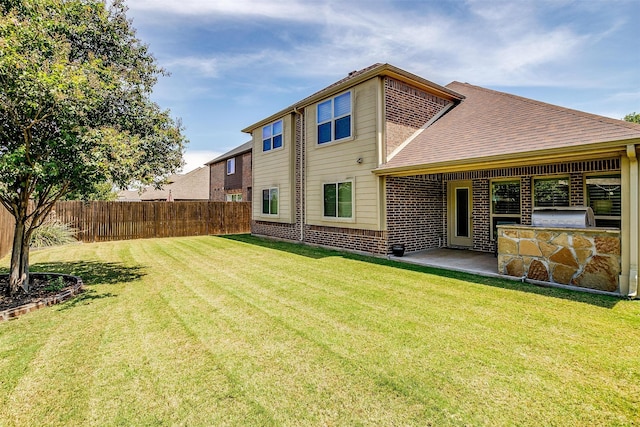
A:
{"points": [[242, 331]]}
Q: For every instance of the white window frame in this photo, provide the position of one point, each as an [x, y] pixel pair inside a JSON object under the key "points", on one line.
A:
{"points": [[353, 201], [272, 135], [500, 216], [235, 197], [332, 121], [231, 166], [270, 190]]}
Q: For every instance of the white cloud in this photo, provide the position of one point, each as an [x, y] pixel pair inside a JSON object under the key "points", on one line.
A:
{"points": [[502, 43], [274, 9], [197, 158]]}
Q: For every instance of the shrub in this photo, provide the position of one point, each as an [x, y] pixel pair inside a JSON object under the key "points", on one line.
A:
{"points": [[52, 233], [56, 285]]}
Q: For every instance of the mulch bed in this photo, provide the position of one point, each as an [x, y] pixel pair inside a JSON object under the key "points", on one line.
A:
{"points": [[43, 293]]}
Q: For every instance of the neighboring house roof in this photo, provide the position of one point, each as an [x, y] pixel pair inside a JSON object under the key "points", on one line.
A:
{"points": [[244, 148], [494, 126], [356, 77], [190, 186]]}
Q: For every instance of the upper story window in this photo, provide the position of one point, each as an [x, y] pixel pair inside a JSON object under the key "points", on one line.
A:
{"points": [[334, 119], [550, 192], [231, 166], [604, 195], [272, 136]]}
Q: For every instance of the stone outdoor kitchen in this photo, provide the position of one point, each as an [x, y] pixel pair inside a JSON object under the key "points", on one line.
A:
{"points": [[587, 258]]}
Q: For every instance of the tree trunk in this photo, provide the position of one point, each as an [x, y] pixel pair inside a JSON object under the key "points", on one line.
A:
{"points": [[19, 276]]}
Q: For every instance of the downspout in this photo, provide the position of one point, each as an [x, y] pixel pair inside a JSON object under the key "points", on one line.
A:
{"points": [[633, 221]]}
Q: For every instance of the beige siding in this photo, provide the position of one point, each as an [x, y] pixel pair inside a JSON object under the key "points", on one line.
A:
{"points": [[338, 162], [275, 169]]}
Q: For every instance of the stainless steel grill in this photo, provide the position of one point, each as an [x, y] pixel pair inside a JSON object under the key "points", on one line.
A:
{"points": [[570, 217]]}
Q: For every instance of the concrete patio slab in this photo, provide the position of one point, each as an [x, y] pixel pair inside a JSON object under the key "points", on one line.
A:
{"points": [[482, 263]]}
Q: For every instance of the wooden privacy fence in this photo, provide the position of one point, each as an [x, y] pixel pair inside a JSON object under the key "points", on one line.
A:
{"points": [[6, 231], [103, 221]]}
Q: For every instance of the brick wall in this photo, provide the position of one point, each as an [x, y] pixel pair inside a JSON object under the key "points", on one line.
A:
{"points": [[576, 189], [300, 147], [370, 241], [480, 216], [526, 201], [275, 229], [415, 212], [407, 109], [481, 191], [217, 172], [221, 184], [246, 177]]}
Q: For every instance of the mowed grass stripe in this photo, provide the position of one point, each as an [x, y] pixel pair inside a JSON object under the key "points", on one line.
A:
{"points": [[499, 374], [534, 334], [306, 371], [170, 375], [243, 331]]}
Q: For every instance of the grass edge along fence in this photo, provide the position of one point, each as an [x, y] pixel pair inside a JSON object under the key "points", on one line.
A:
{"points": [[104, 221]]}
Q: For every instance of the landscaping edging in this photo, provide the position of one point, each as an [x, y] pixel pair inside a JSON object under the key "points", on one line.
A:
{"points": [[63, 295]]}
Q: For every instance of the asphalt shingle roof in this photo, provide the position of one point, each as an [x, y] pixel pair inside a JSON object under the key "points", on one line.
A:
{"points": [[488, 124], [190, 186]]}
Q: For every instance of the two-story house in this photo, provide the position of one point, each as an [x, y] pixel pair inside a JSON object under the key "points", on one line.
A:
{"points": [[230, 175], [385, 157]]}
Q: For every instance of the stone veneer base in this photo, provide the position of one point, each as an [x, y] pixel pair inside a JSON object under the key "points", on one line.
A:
{"points": [[586, 258]]}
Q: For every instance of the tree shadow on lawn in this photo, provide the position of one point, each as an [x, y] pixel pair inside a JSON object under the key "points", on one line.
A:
{"points": [[92, 273], [603, 301]]}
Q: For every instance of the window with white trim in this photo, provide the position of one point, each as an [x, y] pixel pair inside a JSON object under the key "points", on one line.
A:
{"points": [[334, 119], [550, 192], [231, 166], [237, 197], [505, 203], [338, 199], [272, 136], [270, 201], [604, 195]]}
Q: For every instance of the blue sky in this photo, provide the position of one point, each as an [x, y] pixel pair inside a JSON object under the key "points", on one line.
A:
{"points": [[235, 62]]}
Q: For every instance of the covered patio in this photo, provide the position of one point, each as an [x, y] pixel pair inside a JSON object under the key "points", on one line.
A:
{"points": [[475, 262]]}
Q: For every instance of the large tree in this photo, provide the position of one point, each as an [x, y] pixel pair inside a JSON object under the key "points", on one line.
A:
{"points": [[75, 110], [633, 118]]}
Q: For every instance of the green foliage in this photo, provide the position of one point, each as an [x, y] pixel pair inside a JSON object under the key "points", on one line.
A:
{"points": [[75, 108], [52, 233], [633, 117], [101, 191], [56, 285]]}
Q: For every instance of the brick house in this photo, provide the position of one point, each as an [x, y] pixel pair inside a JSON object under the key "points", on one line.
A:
{"points": [[385, 157], [189, 187], [230, 175]]}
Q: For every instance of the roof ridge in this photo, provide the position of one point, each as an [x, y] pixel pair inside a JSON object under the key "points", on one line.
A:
{"points": [[578, 113]]}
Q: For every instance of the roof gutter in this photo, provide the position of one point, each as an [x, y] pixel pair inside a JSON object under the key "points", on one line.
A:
{"points": [[594, 151]]}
